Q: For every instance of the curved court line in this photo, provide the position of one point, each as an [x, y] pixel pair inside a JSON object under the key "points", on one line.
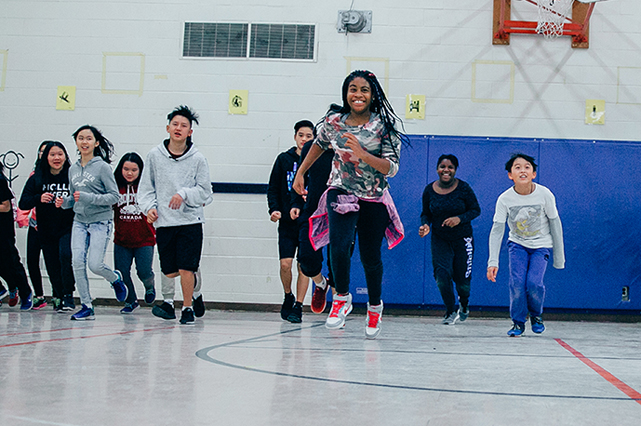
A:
{"points": [[204, 355]]}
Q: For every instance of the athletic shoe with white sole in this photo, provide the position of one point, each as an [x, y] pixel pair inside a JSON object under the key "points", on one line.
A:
{"points": [[341, 307]]}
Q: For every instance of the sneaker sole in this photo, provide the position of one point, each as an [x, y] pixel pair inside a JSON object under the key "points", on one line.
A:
{"points": [[187, 322], [91, 318], [374, 335], [162, 314], [294, 319]]}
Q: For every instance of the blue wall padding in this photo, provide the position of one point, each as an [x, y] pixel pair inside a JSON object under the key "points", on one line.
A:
{"points": [[597, 185]]}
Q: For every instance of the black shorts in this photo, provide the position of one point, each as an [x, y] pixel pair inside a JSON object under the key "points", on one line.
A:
{"points": [[287, 240], [179, 247]]}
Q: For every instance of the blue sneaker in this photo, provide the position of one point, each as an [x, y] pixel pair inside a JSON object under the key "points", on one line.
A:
{"points": [[27, 303], [537, 325], [3, 293], [84, 314], [516, 330], [130, 307], [120, 288], [150, 296]]}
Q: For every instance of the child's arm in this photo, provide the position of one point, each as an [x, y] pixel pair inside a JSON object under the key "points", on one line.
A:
{"points": [[426, 214], [201, 194], [558, 251], [273, 191], [68, 201], [496, 237]]}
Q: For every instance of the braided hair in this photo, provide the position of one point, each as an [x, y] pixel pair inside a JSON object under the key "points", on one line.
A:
{"points": [[380, 105]]}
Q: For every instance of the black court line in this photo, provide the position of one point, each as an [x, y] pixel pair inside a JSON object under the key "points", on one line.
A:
{"points": [[204, 355]]}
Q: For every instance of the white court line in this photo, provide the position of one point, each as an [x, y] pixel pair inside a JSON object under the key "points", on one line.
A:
{"points": [[37, 421]]}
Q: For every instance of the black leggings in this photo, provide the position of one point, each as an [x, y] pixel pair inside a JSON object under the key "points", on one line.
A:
{"points": [[33, 260], [57, 254], [12, 270]]}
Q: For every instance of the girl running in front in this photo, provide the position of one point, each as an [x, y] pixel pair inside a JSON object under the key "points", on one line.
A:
{"points": [[134, 237], [367, 147], [50, 181], [93, 192]]}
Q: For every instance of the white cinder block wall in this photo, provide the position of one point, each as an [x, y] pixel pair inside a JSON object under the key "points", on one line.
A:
{"points": [[438, 48]]}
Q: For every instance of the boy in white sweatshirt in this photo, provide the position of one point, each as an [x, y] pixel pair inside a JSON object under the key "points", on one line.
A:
{"points": [[174, 188]]}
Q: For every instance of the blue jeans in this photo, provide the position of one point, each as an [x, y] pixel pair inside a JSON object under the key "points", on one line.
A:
{"points": [[88, 247], [527, 291], [124, 257], [370, 223]]}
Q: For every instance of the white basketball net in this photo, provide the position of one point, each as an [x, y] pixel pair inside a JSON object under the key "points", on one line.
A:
{"points": [[552, 16]]}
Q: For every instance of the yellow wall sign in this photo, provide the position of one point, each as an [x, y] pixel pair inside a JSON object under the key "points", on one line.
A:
{"points": [[415, 106], [238, 100], [594, 111], [66, 100]]}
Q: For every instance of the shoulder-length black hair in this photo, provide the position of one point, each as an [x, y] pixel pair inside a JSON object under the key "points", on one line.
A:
{"points": [[43, 169], [134, 158]]}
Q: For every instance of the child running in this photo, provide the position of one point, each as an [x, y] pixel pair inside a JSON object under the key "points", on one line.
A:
{"points": [[279, 199], [366, 151], [28, 218], [50, 181], [93, 192], [11, 270], [174, 188], [535, 227], [134, 237]]}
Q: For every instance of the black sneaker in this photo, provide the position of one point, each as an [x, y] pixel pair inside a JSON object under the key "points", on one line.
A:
{"points": [[199, 306], [288, 305], [67, 303], [187, 316], [57, 304], [296, 314], [164, 311]]}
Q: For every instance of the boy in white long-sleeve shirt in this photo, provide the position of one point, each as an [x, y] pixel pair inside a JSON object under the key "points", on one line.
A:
{"points": [[535, 227], [174, 188]]}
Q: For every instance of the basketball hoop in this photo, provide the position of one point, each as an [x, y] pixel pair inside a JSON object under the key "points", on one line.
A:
{"points": [[552, 16]]}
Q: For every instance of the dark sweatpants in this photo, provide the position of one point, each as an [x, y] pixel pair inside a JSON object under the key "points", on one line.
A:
{"points": [[452, 261]]}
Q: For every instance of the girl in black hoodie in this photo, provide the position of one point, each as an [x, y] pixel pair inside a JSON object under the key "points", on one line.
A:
{"points": [[50, 181]]}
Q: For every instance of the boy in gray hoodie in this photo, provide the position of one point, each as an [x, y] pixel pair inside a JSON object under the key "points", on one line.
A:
{"points": [[174, 188]]}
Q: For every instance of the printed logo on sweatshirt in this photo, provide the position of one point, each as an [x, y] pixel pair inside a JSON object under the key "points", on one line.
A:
{"points": [[57, 189], [527, 220], [128, 208], [290, 177]]}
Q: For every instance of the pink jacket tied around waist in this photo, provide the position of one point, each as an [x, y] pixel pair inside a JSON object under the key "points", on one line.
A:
{"points": [[319, 221]]}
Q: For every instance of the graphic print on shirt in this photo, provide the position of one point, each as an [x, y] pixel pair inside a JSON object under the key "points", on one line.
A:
{"points": [[81, 179], [527, 220], [290, 177], [57, 189], [128, 208]]}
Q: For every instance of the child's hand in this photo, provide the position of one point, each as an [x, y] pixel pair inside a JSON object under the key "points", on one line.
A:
{"points": [[47, 197], [152, 215], [275, 217], [452, 221], [294, 213], [423, 230], [76, 196], [59, 201], [299, 185], [491, 273], [175, 202], [353, 144]]}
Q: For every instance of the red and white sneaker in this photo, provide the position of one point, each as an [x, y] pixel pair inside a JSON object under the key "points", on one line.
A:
{"points": [[374, 319], [319, 298], [341, 307]]}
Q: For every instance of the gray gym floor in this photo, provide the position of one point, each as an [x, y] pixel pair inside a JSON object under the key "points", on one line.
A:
{"points": [[249, 368]]}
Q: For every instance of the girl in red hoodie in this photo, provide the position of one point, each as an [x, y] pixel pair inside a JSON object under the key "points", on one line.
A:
{"points": [[134, 237]]}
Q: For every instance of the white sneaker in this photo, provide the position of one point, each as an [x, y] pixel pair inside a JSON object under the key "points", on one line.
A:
{"points": [[341, 307], [374, 319], [451, 318]]}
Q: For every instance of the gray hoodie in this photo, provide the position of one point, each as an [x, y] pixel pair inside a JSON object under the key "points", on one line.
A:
{"points": [[98, 191], [163, 176]]}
